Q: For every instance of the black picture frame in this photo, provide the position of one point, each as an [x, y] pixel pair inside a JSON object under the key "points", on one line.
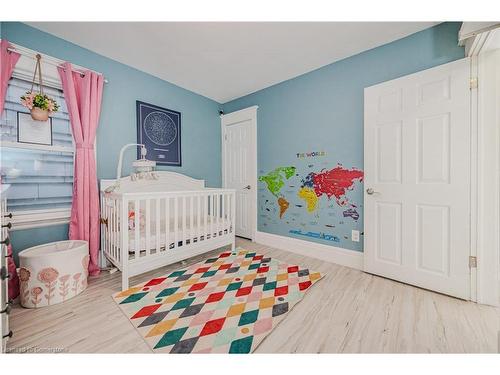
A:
{"points": [[34, 143], [159, 129]]}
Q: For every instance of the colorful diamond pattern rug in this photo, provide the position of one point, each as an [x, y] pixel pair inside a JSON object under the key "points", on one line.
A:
{"points": [[227, 304]]}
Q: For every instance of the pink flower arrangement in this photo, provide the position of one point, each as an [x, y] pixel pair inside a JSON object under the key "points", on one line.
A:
{"points": [[27, 100], [37, 100]]}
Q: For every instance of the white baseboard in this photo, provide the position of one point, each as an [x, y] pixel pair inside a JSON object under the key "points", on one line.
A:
{"points": [[332, 254]]}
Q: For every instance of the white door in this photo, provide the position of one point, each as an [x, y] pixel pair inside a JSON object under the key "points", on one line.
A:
{"points": [[417, 179], [239, 166]]}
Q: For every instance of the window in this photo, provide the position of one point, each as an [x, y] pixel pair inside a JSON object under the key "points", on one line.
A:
{"points": [[40, 176]]}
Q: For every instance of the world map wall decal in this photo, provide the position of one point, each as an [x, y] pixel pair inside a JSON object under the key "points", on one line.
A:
{"points": [[310, 201]]}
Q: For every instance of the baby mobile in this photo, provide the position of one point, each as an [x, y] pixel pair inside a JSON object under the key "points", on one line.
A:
{"points": [[39, 104]]}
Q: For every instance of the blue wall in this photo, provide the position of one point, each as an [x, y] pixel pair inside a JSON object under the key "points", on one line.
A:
{"points": [[22, 239], [323, 111], [318, 111], [201, 157]]}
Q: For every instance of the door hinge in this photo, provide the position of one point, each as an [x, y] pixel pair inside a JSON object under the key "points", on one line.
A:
{"points": [[473, 83], [472, 262]]}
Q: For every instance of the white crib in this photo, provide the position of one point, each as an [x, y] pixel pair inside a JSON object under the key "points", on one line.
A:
{"points": [[148, 224]]}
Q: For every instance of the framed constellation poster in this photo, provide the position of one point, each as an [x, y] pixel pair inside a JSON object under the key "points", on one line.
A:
{"points": [[159, 129]]}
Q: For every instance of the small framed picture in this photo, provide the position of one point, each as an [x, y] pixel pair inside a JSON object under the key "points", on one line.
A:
{"points": [[159, 129], [34, 132]]}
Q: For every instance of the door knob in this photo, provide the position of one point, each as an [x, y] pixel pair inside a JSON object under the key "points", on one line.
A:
{"points": [[370, 191], [248, 187]]}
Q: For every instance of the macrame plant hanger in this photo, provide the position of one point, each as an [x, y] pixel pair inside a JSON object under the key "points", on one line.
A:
{"points": [[38, 114], [38, 68]]}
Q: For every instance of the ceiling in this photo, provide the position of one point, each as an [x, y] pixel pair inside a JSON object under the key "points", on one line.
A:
{"points": [[227, 60]]}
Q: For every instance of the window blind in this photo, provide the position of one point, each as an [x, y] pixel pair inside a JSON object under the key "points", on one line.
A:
{"points": [[41, 177]]}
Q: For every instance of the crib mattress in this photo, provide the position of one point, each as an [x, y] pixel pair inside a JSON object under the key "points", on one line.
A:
{"points": [[182, 238]]}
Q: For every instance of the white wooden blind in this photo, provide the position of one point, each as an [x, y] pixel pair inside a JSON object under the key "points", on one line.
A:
{"points": [[41, 177]]}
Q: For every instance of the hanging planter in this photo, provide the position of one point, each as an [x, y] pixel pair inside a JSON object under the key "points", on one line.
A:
{"points": [[39, 104]]}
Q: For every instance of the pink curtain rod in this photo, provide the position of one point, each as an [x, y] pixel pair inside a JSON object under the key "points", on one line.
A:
{"points": [[10, 49]]}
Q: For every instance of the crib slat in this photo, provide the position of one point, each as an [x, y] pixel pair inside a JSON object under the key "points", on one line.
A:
{"points": [[117, 229], [217, 209], [112, 227], [191, 219], [124, 243], [118, 238], [228, 207], [137, 228], [103, 226], [107, 227], [230, 213], [115, 209], [158, 232], [108, 249], [217, 223], [198, 219], [106, 236], [205, 216], [212, 215], [120, 214], [167, 224], [103, 229], [223, 207], [233, 212], [225, 216], [184, 198], [148, 227], [176, 222]]}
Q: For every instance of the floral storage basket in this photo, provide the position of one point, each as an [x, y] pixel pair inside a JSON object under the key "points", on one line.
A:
{"points": [[53, 273]]}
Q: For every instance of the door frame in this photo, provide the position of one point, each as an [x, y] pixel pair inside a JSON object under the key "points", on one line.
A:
{"points": [[485, 178], [246, 114]]}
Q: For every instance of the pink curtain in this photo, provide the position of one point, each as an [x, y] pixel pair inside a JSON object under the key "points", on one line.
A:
{"points": [[13, 279], [83, 97], [8, 61]]}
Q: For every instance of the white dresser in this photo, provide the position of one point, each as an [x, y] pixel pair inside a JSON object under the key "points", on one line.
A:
{"points": [[4, 295]]}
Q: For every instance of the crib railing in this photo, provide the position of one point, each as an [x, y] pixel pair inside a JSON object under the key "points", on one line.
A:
{"points": [[142, 231]]}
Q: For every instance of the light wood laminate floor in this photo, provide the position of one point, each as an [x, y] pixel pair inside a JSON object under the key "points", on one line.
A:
{"points": [[348, 311]]}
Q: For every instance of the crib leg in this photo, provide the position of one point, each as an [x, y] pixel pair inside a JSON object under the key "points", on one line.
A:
{"points": [[233, 245], [124, 281]]}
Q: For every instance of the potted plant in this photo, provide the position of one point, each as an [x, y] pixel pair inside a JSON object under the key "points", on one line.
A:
{"points": [[38, 103]]}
